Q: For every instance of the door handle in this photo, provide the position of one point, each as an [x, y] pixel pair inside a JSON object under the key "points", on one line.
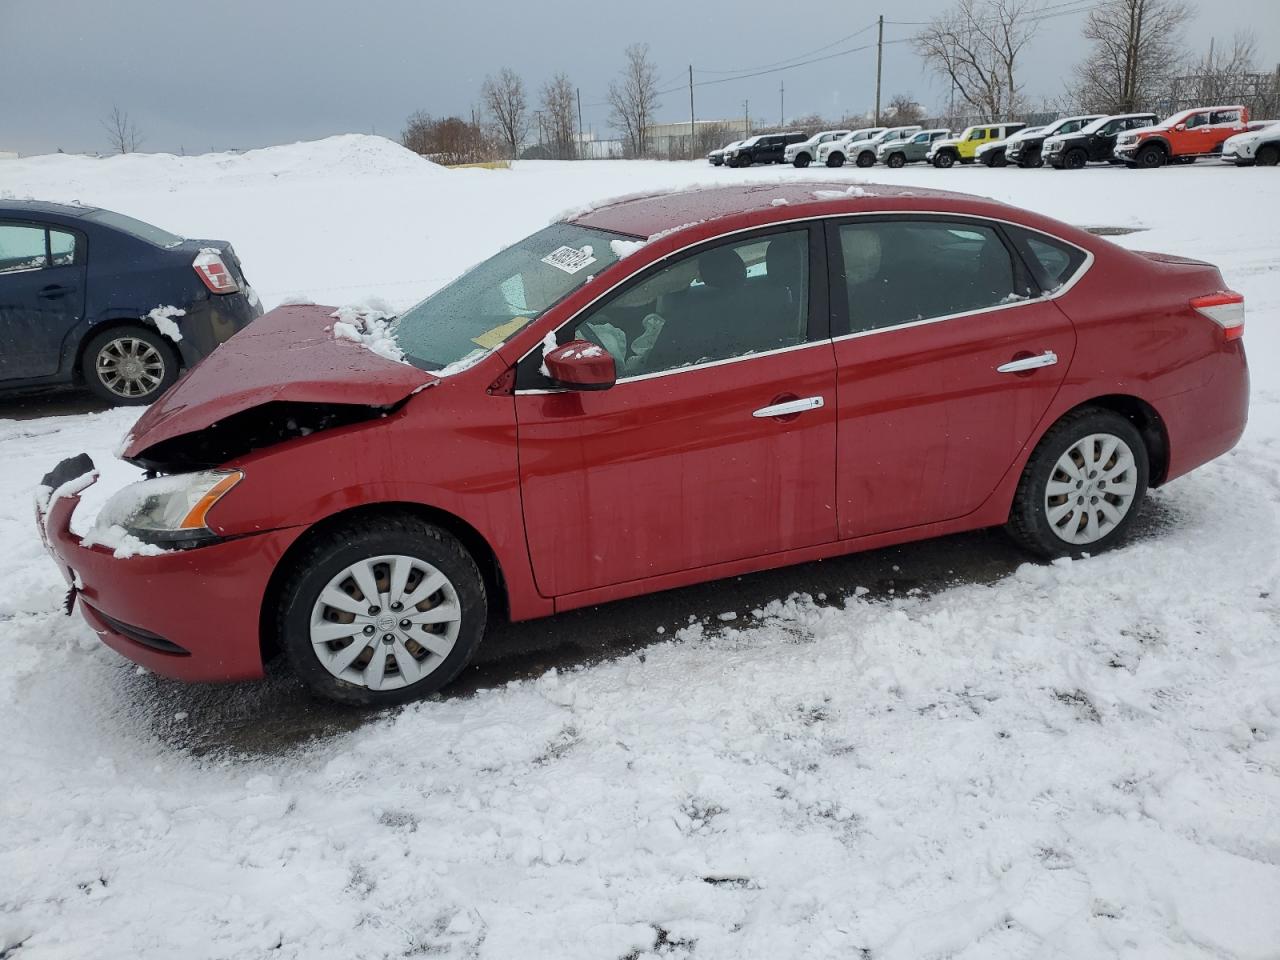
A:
{"points": [[1046, 359], [788, 407], [53, 292]]}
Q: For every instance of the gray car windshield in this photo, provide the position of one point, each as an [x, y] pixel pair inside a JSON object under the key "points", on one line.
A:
{"points": [[489, 304]]}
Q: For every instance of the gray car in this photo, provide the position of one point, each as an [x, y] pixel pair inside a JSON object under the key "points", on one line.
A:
{"points": [[897, 153]]}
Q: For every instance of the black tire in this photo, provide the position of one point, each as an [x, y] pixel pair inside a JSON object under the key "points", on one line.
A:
{"points": [[1268, 155], [152, 381], [1028, 520], [339, 547], [1034, 164], [1075, 159], [1151, 156], [943, 160], [865, 158], [802, 160], [743, 162], [835, 160], [896, 160]]}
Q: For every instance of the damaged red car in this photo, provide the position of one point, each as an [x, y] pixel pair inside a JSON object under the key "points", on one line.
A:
{"points": [[660, 391]]}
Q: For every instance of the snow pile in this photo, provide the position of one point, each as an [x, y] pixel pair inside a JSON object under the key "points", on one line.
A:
{"points": [[163, 316], [369, 327], [1075, 761]]}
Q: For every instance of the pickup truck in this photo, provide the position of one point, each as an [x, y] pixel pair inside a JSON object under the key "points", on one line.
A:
{"points": [[898, 153], [1181, 138], [834, 152], [1091, 143], [863, 153], [1029, 150], [802, 154], [765, 148], [995, 153]]}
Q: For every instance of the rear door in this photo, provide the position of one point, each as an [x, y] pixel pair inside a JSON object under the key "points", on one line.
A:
{"points": [[940, 383], [717, 443], [42, 280]]}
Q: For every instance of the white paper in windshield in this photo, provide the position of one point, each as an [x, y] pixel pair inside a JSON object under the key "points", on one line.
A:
{"points": [[569, 259]]}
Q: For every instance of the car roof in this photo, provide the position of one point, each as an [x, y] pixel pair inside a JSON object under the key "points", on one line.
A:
{"points": [[44, 207], [647, 215]]}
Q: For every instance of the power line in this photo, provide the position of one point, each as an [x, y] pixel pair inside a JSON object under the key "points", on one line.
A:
{"points": [[807, 53]]}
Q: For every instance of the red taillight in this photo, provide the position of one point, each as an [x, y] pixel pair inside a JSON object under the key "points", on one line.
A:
{"points": [[208, 264], [1226, 309]]}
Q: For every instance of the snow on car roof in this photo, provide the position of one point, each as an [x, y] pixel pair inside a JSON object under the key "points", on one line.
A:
{"points": [[650, 214]]}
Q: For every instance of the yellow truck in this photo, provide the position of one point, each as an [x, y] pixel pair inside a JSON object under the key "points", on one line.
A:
{"points": [[961, 149]]}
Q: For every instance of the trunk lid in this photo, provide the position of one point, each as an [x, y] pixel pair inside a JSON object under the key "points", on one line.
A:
{"points": [[287, 358]]}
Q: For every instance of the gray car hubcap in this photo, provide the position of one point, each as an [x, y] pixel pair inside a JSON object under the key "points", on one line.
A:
{"points": [[385, 622], [129, 367], [1091, 488]]}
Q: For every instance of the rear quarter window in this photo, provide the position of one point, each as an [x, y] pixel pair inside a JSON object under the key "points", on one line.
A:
{"points": [[1054, 262]]}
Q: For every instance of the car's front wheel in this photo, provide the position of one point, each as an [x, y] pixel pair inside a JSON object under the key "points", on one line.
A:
{"points": [[381, 610], [1075, 160], [1082, 485], [943, 160], [866, 158], [896, 160], [1150, 157], [803, 160], [835, 160], [129, 365]]}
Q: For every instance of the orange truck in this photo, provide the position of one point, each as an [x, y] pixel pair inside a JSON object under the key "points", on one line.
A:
{"points": [[1181, 138]]}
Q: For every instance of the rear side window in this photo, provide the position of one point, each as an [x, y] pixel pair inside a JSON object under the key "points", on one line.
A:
{"points": [[62, 248], [1053, 261], [968, 267], [21, 248]]}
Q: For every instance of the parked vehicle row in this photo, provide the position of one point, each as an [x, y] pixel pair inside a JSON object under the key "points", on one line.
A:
{"points": [[1069, 143]]}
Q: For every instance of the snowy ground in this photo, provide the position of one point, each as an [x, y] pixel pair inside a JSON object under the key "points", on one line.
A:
{"points": [[1077, 761]]}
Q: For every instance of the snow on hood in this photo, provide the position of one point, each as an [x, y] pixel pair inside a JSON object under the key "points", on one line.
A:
{"points": [[371, 328]]}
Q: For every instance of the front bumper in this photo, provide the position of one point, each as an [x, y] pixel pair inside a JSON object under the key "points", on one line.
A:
{"points": [[209, 323], [188, 614], [1238, 158]]}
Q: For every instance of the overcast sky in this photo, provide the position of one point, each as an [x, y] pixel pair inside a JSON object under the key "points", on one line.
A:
{"points": [[248, 73]]}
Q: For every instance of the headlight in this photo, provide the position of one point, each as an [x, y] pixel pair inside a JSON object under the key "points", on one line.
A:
{"points": [[168, 510]]}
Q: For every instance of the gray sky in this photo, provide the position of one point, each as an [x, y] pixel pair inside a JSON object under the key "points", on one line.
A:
{"points": [[247, 73]]}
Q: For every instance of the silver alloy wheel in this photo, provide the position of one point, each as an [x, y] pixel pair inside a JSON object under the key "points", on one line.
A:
{"points": [[1091, 488], [129, 367], [385, 622]]}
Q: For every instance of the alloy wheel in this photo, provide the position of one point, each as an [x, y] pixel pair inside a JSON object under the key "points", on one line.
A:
{"points": [[129, 367], [1091, 489], [385, 622]]}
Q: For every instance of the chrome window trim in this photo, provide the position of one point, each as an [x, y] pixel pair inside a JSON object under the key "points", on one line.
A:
{"points": [[1060, 291]]}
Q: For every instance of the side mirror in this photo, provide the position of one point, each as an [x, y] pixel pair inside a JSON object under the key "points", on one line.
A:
{"points": [[1180, 126], [581, 365]]}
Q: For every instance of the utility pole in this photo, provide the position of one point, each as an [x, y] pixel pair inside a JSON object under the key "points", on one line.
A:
{"points": [[879, 64], [746, 118], [693, 134], [782, 104], [578, 91]]}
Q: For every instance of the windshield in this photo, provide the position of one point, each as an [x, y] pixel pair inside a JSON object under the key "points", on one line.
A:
{"points": [[135, 228], [1095, 126], [486, 306]]}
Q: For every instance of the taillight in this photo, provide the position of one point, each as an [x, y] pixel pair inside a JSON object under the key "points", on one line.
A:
{"points": [[1226, 309], [213, 271]]}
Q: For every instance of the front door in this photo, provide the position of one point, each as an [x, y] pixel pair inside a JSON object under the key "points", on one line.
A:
{"points": [[951, 359], [716, 444], [41, 297]]}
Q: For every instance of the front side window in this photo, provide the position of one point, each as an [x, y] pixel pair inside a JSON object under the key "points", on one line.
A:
{"points": [[22, 247], [1197, 120], [484, 307], [906, 271], [978, 135], [722, 302]]}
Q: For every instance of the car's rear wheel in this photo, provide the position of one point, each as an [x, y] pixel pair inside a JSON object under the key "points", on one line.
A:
{"points": [[896, 160], [943, 160], [381, 610], [129, 365], [866, 158], [1075, 160], [835, 160], [803, 160], [1082, 486], [1150, 157], [1267, 156]]}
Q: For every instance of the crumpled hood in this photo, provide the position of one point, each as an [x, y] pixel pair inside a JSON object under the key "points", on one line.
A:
{"points": [[289, 355]]}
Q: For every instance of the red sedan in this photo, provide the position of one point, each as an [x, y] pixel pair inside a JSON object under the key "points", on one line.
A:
{"points": [[661, 391]]}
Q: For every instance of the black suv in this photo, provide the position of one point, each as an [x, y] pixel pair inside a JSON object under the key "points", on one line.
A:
{"points": [[1094, 142], [766, 148]]}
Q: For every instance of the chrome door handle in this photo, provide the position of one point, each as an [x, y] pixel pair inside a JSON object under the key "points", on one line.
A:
{"points": [[788, 408], [1046, 359]]}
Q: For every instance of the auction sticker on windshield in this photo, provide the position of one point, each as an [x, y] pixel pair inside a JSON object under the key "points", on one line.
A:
{"points": [[569, 259]]}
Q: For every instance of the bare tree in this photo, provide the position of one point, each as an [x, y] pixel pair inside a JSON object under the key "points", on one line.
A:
{"points": [[1217, 78], [633, 98], [559, 117], [122, 132], [903, 110], [504, 98], [975, 45], [450, 140], [1136, 47]]}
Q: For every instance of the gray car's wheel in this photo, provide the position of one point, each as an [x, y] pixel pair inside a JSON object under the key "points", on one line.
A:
{"points": [[381, 610], [896, 160], [1267, 156], [1082, 486], [129, 365]]}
